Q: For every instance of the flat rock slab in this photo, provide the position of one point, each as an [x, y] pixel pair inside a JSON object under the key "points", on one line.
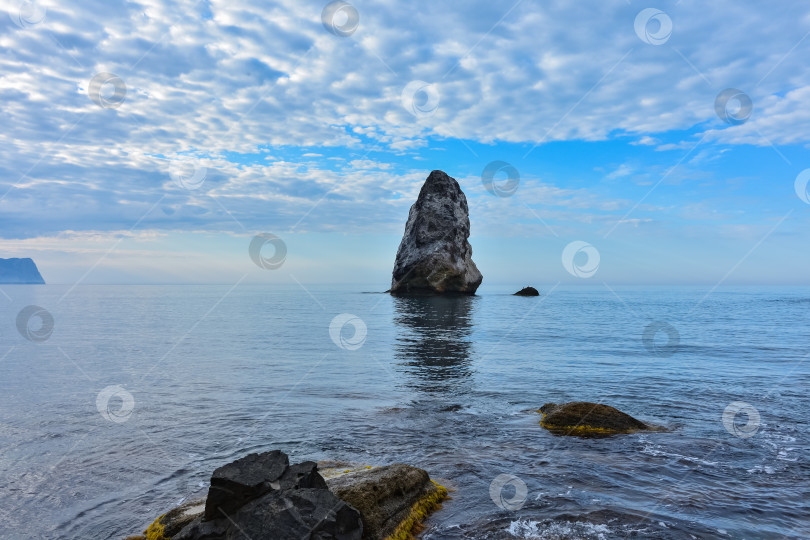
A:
{"points": [[391, 499], [585, 419]]}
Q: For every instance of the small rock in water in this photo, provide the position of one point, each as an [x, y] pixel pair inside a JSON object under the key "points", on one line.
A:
{"points": [[527, 291], [586, 419], [435, 256]]}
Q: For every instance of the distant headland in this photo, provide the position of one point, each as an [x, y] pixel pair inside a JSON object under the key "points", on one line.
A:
{"points": [[19, 271]]}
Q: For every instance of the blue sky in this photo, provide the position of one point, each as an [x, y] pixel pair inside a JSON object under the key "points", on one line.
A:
{"points": [[148, 142]]}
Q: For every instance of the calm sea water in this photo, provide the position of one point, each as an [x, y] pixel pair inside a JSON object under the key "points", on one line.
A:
{"points": [[140, 392]]}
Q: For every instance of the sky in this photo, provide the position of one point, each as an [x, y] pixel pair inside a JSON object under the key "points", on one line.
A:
{"points": [[616, 142]]}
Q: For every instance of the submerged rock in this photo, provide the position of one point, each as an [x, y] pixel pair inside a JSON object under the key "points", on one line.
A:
{"points": [[392, 500], [585, 419], [527, 291], [435, 256], [20, 271]]}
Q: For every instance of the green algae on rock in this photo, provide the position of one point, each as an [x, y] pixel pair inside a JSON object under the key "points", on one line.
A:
{"points": [[585, 419]]}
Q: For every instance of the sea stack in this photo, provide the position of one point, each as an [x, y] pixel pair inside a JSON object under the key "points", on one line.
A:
{"points": [[435, 256], [19, 271]]}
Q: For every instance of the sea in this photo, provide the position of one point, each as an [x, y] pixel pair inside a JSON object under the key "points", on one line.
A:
{"points": [[117, 402]]}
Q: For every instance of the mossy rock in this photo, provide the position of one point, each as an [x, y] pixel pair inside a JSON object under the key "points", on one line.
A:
{"points": [[393, 500], [584, 419], [170, 523]]}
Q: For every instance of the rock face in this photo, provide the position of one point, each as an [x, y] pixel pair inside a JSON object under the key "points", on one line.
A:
{"points": [[245, 479], [435, 256], [20, 271], [261, 497], [527, 291], [585, 419], [173, 521], [391, 499], [293, 514]]}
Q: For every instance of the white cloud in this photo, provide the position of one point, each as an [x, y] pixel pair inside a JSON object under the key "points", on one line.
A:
{"points": [[210, 79]]}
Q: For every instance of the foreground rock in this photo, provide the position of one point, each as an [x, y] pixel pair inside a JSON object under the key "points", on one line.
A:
{"points": [[527, 291], [261, 496], [292, 514], [245, 479], [20, 271], [435, 256], [585, 419], [173, 521], [392, 499]]}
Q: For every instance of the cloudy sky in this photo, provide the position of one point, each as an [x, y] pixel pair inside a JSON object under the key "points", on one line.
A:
{"points": [[151, 141]]}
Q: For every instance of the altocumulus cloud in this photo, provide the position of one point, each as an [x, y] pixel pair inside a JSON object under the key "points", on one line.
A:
{"points": [[211, 82]]}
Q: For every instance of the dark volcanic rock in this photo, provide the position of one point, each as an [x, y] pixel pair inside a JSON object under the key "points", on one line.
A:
{"points": [[294, 514], [261, 497], [527, 291], [390, 499], [587, 419], [247, 478], [435, 256], [19, 271], [302, 475]]}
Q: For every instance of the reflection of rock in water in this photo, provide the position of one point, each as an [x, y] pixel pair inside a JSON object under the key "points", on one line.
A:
{"points": [[433, 340]]}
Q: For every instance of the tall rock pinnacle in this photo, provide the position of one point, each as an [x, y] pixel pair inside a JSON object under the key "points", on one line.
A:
{"points": [[435, 256]]}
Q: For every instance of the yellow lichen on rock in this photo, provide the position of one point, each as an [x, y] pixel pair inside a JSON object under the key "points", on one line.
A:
{"points": [[582, 429], [419, 511], [156, 530], [585, 419]]}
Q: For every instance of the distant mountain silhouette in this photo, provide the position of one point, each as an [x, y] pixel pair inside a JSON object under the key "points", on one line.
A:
{"points": [[19, 271]]}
